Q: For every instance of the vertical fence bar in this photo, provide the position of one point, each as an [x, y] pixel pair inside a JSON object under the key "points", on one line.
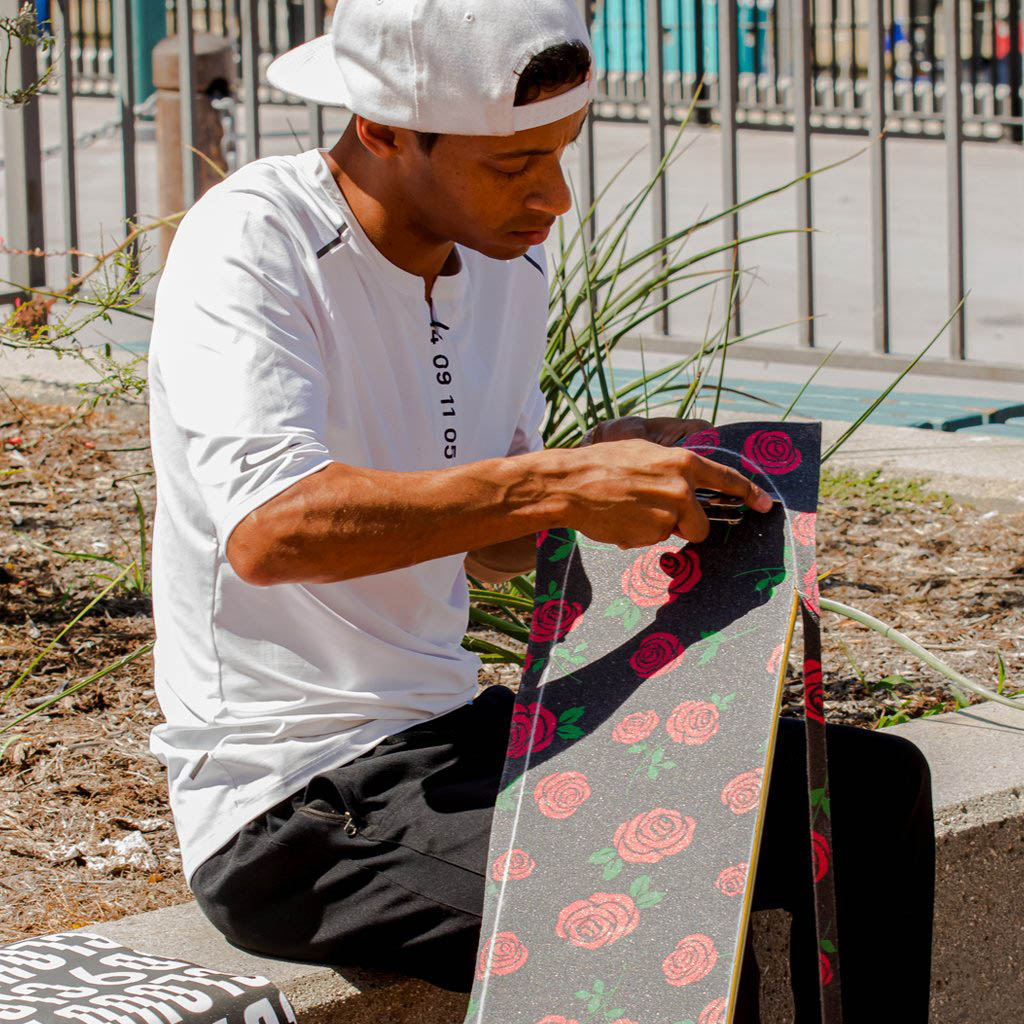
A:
{"points": [[879, 178], [587, 167], [727, 118], [250, 32], [953, 111], [67, 137], [700, 68], [656, 122], [23, 167], [187, 90], [801, 19], [314, 26], [122, 44], [1015, 68]]}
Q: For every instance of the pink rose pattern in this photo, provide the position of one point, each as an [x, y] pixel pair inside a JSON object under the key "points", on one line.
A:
{"points": [[601, 920], [714, 1012], [533, 729], [514, 865], [658, 654], [693, 722], [560, 795], [703, 442], [552, 620], [661, 575], [732, 880], [667, 710], [636, 727], [771, 452], [649, 837]]}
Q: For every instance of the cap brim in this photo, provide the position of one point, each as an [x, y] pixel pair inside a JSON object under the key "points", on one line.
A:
{"points": [[311, 72]]}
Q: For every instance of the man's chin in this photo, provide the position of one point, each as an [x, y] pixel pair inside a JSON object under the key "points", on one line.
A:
{"points": [[507, 247]]}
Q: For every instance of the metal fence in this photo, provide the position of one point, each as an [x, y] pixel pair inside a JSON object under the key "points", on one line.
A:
{"points": [[868, 57], [838, 34]]}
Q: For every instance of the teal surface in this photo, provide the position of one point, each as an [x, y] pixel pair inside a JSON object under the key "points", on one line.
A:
{"points": [[975, 414], [620, 46]]}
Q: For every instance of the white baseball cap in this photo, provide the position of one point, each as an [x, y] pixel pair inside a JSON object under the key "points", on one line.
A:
{"points": [[445, 66]]}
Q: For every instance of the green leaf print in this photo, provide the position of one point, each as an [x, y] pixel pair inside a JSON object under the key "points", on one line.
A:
{"points": [[504, 802], [828, 945], [618, 607], [640, 885], [570, 732], [561, 552], [571, 715], [612, 869], [723, 703], [602, 856]]}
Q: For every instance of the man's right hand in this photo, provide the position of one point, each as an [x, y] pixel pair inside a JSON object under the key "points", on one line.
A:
{"points": [[635, 493]]}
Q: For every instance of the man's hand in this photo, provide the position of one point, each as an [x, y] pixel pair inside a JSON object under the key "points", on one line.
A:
{"points": [[634, 493], [665, 430]]}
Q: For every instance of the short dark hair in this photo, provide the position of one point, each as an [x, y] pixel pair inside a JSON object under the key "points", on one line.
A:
{"points": [[562, 64]]}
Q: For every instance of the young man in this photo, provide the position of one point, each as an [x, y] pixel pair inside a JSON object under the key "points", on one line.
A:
{"points": [[345, 417]]}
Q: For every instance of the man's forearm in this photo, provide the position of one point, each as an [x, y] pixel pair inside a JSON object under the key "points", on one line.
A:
{"points": [[347, 521]]}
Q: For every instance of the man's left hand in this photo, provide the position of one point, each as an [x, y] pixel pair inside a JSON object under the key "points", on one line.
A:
{"points": [[666, 430]]}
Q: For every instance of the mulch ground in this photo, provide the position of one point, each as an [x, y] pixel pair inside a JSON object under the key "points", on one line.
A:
{"points": [[85, 831]]}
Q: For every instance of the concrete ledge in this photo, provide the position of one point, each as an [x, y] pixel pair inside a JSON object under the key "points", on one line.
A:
{"points": [[977, 763], [319, 995]]}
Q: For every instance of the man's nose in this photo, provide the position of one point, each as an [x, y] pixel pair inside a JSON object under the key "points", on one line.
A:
{"points": [[554, 197]]}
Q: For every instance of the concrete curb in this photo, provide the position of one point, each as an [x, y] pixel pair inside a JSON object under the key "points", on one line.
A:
{"points": [[319, 995], [977, 763]]}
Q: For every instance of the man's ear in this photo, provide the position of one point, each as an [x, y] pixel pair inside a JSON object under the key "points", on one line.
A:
{"points": [[383, 142]]}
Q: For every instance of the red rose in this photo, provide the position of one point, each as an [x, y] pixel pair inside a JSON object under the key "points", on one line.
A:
{"points": [[770, 452], [731, 881], [599, 921], [693, 722], [743, 793], [714, 1012], [507, 955], [775, 661], [553, 619], [514, 865], [636, 727], [811, 593], [660, 575], [553, 1018], [819, 847], [803, 528], [814, 707], [692, 959], [826, 968], [683, 565], [560, 795], [657, 654], [622, 1020], [533, 728], [542, 535], [703, 442], [653, 835]]}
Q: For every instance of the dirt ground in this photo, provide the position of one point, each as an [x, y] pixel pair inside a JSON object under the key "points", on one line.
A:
{"points": [[85, 832]]}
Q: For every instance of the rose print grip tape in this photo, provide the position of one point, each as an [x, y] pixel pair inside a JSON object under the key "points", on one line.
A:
{"points": [[626, 830]]}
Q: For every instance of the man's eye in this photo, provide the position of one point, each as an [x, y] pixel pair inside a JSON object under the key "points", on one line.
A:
{"points": [[518, 173]]}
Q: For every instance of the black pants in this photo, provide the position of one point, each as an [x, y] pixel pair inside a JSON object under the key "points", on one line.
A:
{"points": [[381, 863]]}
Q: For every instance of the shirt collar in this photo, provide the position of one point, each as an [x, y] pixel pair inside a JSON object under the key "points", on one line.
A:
{"points": [[447, 287]]}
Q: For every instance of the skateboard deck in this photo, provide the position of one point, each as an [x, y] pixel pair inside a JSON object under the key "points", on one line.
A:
{"points": [[626, 830]]}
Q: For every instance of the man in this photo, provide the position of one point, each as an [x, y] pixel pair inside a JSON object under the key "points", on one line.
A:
{"points": [[345, 417]]}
